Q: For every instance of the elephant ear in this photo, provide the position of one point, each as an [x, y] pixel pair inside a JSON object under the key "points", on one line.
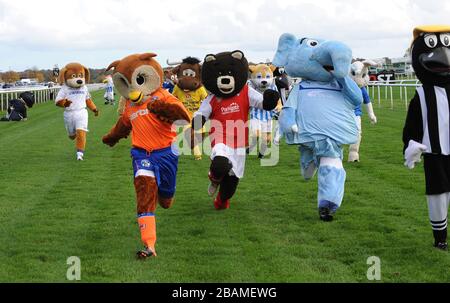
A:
{"points": [[285, 43]]}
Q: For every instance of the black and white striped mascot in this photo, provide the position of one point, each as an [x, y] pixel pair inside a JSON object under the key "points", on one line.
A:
{"points": [[427, 126]]}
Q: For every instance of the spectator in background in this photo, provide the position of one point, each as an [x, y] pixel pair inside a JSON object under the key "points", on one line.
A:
{"points": [[109, 90], [17, 108]]}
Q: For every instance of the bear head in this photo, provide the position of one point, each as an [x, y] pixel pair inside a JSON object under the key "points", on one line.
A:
{"points": [[225, 74]]}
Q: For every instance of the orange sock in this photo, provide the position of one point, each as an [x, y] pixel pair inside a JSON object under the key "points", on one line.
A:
{"points": [[81, 140], [147, 225]]}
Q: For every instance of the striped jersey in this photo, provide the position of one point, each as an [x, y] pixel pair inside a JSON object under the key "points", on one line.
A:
{"points": [[259, 113]]}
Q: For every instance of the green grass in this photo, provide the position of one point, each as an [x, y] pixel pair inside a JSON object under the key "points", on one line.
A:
{"points": [[52, 207]]}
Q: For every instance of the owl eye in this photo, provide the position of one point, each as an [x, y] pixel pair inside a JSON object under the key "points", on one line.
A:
{"points": [[140, 79], [312, 43], [445, 39], [430, 40]]}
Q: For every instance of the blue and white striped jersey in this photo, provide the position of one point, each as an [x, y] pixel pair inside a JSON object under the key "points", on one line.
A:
{"points": [[261, 114]]}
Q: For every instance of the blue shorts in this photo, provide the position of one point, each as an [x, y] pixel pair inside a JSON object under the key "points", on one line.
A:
{"points": [[164, 165]]}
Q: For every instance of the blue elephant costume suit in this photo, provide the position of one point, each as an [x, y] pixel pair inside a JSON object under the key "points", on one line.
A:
{"points": [[319, 113]]}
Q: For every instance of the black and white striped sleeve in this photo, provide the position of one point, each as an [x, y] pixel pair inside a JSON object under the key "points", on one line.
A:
{"points": [[413, 129]]}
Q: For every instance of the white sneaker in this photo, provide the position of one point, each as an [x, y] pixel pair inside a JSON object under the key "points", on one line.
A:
{"points": [[80, 156], [212, 189]]}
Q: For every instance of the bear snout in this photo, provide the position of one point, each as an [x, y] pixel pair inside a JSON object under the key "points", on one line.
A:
{"points": [[80, 82], [225, 80]]}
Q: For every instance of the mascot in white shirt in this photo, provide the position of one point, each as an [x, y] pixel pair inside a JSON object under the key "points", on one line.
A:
{"points": [[74, 97]]}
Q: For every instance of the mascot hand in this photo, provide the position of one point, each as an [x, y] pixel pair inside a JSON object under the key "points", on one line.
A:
{"points": [[270, 99], [96, 112], [413, 153], [168, 111], [108, 140], [373, 118], [67, 103]]}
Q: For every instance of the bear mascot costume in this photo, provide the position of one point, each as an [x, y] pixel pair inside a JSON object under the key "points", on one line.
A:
{"points": [[427, 126], [319, 113], [227, 107], [149, 112]]}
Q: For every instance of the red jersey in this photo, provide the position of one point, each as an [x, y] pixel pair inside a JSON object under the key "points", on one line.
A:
{"points": [[229, 116]]}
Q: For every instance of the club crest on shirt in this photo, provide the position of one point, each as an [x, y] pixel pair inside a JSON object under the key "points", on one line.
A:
{"points": [[145, 163]]}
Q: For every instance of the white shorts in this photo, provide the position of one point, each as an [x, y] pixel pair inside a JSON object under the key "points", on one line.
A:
{"points": [[260, 126], [76, 119], [235, 155], [109, 96]]}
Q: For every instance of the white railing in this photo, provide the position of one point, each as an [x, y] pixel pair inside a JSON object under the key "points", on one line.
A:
{"points": [[377, 88], [41, 94]]}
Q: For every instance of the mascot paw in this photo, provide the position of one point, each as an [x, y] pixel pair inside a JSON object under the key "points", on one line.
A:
{"points": [[168, 112], [96, 112], [270, 97], [67, 103], [108, 141]]}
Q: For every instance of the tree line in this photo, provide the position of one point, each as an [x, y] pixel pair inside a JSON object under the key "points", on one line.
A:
{"points": [[44, 75]]}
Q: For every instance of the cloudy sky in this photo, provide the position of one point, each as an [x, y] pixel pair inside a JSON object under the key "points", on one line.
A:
{"points": [[96, 32]]}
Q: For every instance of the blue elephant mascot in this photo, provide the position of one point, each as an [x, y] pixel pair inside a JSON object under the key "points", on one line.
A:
{"points": [[319, 113]]}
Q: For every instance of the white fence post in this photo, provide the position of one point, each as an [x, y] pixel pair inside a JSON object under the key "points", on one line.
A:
{"points": [[403, 85]]}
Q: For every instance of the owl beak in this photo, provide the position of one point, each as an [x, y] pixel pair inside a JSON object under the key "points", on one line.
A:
{"points": [[135, 96]]}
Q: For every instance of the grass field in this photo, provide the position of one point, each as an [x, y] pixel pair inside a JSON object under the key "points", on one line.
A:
{"points": [[52, 207]]}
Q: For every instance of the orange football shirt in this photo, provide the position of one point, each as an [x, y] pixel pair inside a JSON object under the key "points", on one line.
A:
{"points": [[147, 131]]}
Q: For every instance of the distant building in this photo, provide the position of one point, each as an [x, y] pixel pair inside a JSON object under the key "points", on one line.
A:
{"points": [[400, 65]]}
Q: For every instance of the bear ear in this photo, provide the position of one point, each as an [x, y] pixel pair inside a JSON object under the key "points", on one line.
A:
{"points": [[252, 68], [285, 43], [62, 75], [210, 58], [237, 54], [272, 67], [112, 65], [146, 56]]}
